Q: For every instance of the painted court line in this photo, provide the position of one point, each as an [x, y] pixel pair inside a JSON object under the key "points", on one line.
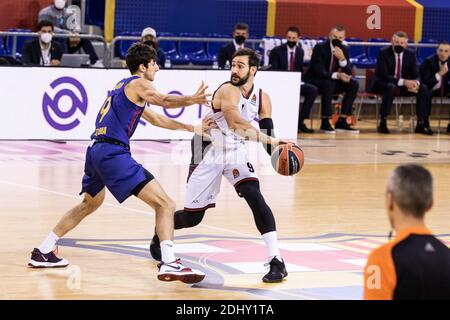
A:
{"points": [[115, 206]]}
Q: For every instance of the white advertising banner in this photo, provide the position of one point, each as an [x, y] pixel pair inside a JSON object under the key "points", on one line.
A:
{"points": [[62, 103]]}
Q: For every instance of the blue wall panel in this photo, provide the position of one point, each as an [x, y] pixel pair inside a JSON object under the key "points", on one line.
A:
{"points": [[193, 16], [436, 19]]}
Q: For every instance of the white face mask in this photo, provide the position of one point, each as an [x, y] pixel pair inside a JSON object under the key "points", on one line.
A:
{"points": [[60, 4], [46, 37]]}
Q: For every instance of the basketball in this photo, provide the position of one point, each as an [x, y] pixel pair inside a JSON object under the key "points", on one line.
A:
{"points": [[287, 159]]}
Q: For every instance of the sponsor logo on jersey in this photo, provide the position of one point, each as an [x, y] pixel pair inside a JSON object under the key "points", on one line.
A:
{"points": [[253, 101]]}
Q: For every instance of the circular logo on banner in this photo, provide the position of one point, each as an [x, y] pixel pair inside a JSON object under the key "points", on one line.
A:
{"points": [[69, 96], [166, 112]]}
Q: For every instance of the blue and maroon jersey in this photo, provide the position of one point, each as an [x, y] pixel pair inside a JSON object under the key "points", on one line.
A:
{"points": [[118, 117]]}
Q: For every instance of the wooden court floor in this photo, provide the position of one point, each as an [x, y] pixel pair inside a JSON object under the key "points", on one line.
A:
{"points": [[328, 218]]}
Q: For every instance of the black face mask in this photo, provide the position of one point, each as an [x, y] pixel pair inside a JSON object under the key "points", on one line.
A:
{"points": [[291, 44], [150, 43], [336, 42], [239, 39], [398, 49]]}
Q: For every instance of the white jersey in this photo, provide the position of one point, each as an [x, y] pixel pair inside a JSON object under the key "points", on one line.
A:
{"points": [[249, 108]]}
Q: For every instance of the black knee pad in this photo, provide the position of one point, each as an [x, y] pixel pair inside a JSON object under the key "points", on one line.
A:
{"points": [[184, 219], [249, 190]]}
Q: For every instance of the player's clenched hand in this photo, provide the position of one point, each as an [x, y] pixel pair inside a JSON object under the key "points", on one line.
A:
{"points": [[207, 123], [201, 97]]}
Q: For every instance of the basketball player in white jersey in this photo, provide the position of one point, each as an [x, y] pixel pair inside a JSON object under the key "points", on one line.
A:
{"points": [[235, 104]]}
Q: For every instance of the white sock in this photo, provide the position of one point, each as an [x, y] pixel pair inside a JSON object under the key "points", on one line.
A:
{"points": [[272, 245], [167, 254], [49, 243]]}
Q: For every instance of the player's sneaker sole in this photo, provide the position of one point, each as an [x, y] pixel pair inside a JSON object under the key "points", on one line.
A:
{"points": [[46, 260], [327, 131], [265, 280], [37, 264], [182, 276], [277, 271], [354, 131]]}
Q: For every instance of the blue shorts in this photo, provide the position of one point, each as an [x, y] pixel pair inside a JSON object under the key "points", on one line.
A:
{"points": [[112, 166]]}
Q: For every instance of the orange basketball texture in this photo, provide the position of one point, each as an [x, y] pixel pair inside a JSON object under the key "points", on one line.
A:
{"points": [[287, 159]]}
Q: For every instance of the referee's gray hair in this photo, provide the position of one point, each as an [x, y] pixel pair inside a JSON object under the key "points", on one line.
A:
{"points": [[411, 187]]}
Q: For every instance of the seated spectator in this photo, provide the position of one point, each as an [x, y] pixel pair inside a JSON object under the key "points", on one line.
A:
{"points": [[330, 70], [396, 73], [289, 57], [240, 34], [65, 21], [42, 51], [416, 265], [434, 74], [9, 61], [148, 37]]}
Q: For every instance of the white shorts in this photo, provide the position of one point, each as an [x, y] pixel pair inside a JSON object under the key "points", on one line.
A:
{"points": [[204, 180]]}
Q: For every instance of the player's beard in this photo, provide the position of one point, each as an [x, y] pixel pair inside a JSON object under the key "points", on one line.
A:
{"points": [[241, 81]]}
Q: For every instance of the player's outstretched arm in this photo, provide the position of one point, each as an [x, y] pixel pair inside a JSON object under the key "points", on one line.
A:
{"points": [[149, 93], [161, 121]]}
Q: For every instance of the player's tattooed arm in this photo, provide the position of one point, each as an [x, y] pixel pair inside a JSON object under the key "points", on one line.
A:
{"points": [[229, 100], [148, 93]]}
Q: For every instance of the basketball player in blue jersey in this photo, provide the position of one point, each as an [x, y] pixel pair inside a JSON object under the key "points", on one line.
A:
{"points": [[235, 104], [109, 162]]}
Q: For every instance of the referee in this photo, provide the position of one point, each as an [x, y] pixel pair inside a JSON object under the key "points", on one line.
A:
{"points": [[416, 265]]}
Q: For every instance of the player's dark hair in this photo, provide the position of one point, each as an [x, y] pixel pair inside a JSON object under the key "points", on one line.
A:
{"points": [[45, 23], [138, 54], [253, 58]]}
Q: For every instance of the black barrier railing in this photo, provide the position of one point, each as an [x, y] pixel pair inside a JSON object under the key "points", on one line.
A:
{"points": [[383, 44], [253, 42]]}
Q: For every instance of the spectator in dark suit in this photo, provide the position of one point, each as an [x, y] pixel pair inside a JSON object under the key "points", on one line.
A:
{"points": [[331, 72], [240, 34], [434, 74], [289, 56], [67, 20], [42, 51], [397, 73]]}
